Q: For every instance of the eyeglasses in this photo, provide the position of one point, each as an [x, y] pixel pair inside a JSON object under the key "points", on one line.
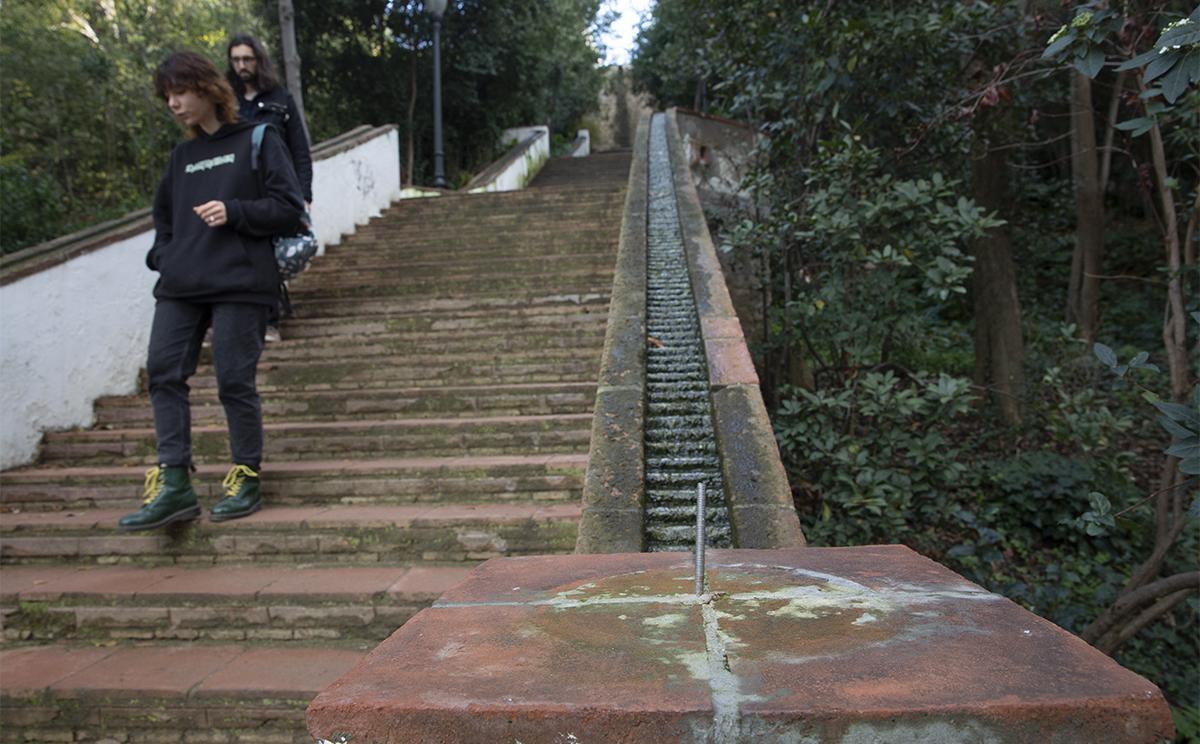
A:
{"points": [[243, 60]]}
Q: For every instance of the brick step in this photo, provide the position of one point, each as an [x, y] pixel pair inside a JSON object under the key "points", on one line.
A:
{"points": [[474, 216], [182, 692], [561, 331], [404, 257], [468, 310], [360, 260], [548, 180], [255, 603], [493, 240], [460, 206], [418, 437], [557, 330], [465, 237], [583, 282], [497, 240], [497, 478], [338, 534], [385, 372], [324, 405], [381, 267], [457, 204], [576, 340]]}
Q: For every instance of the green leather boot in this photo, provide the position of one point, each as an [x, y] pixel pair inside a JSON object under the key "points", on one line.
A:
{"points": [[168, 498], [242, 497]]}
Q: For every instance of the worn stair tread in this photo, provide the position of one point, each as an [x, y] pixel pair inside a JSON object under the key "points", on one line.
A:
{"points": [[569, 420], [209, 395], [324, 467], [278, 583], [172, 671], [91, 522]]}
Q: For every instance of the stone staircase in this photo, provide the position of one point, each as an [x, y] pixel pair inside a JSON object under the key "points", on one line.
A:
{"points": [[430, 408]]}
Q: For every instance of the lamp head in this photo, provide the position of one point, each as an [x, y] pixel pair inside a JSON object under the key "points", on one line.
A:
{"points": [[435, 7]]}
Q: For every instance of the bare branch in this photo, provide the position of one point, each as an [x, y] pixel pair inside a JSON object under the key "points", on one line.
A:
{"points": [[1133, 601], [1115, 638]]}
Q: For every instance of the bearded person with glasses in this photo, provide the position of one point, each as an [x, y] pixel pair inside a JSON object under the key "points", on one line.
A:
{"points": [[261, 99]]}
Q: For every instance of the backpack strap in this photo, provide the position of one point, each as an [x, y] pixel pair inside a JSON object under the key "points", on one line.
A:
{"points": [[256, 139]]}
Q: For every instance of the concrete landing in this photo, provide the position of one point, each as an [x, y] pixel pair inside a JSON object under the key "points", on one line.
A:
{"points": [[870, 644]]}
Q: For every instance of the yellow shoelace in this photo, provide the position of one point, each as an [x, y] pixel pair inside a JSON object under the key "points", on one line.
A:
{"points": [[237, 474], [154, 484]]}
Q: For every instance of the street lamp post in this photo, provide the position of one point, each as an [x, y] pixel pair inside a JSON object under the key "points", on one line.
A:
{"points": [[436, 8]]}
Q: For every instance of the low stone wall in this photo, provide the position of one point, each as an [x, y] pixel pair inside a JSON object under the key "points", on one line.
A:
{"points": [[519, 165], [614, 490], [76, 311], [756, 484], [582, 146]]}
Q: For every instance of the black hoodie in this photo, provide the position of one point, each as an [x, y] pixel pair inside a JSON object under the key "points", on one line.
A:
{"points": [[234, 262]]}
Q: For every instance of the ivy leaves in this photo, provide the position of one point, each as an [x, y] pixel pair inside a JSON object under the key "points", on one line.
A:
{"points": [[1180, 420]]}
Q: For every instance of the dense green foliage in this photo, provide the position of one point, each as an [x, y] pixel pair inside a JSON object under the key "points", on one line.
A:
{"points": [[876, 118], [504, 64], [83, 139]]}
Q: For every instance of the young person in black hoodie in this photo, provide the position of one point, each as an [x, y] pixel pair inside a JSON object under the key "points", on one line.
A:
{"points": [[214, 214]]}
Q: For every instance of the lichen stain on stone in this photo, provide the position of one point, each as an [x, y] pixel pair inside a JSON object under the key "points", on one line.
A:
{"points": [[696, 663], [640, 583], [665, 621], [454, 648], [865, 618]]}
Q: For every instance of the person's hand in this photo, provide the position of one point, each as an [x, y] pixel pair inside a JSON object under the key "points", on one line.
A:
{"points": [[213, 213]]}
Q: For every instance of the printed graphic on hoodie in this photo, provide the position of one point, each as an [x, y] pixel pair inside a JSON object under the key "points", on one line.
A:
{"points": [[209, 163]]}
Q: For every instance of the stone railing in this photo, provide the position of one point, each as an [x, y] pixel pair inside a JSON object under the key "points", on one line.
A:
{"points": [[754, 479], [756, 483], [518, 166], [76, 310], [582, 146]]}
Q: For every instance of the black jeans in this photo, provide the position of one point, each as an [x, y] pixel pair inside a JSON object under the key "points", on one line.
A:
{"points": [[175, 340]]}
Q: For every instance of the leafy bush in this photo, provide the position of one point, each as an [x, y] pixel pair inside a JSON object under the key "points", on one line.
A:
{"points": [[31, 207], [874, 457]]}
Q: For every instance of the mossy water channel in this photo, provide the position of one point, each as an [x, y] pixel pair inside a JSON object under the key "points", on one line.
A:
{"points": [[680, 443]]}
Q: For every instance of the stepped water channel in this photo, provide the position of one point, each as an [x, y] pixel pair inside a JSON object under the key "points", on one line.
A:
{"points": [[680, 441]]}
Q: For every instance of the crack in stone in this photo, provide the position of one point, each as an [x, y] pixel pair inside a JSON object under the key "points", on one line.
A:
{"points": [[726, 697]]}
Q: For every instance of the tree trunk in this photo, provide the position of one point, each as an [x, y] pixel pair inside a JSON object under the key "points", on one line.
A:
{"points": [[1189, 241], [291, 59], [1110, 130], [999, 346], [1089, 211], [1174, 326]]}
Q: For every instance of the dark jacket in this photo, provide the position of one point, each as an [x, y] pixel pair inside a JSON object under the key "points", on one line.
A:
{"points": [[234, 262], [277, 107]]}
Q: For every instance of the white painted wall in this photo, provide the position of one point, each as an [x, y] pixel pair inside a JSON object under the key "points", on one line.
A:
{"points": [[582, 146], [522, 170], [68, 335], [517, 135], [79, 330], [352, 187]]}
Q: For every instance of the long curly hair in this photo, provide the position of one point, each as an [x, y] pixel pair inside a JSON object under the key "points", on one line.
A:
{"points": [[267, 79], [189, 71]]}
